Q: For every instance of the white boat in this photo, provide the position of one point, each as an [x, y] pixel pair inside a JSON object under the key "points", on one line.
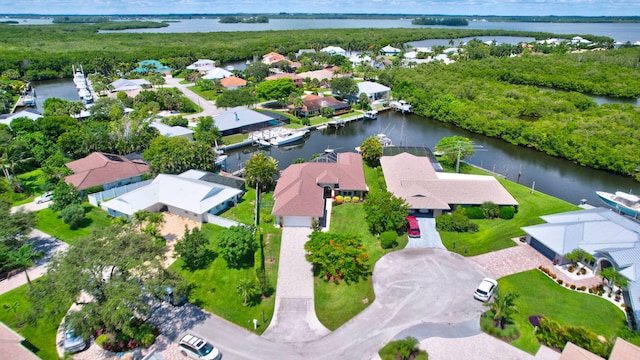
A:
{"points": [[384, 140], [622, 202], [85, 96], [401, 105], [221, 160], [287, 138], [229, 68], [371, 115]]}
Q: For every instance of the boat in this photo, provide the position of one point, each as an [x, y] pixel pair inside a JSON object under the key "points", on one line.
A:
{"points": [[289, 137], [370, 115], [221, 160], [622, 202], [229, 68], [384, 140], [85, 96], [401, 105], [336, 123]]}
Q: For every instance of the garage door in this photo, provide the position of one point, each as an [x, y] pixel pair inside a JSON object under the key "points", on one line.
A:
{"points": [[297, 221], [543, 249]]}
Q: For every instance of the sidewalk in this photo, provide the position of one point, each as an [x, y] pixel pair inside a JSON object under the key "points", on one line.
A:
{"points": [[42, 242]]}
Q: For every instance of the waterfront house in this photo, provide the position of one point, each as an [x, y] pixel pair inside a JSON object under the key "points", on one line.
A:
{"points": [[373, 90], [129, 85], [217, 73], [273, 58], [105, 170], [202, 65], [147, 66], [612, 239], [390, 51], [334, 50], [194, 194], [233, 83], [303, 190], [241, 119], [313, 104], [28, 113], [427, 191], [172, 131]]}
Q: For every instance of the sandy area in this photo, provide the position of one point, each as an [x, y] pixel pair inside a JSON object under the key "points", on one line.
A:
{"points": [[173, 230]]}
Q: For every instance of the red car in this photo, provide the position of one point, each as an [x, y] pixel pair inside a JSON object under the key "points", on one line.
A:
{"points": [[412, 227]]}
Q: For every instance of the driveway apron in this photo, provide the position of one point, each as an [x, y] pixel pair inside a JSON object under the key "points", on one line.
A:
{"points": [[429, 236], [294, 318]]}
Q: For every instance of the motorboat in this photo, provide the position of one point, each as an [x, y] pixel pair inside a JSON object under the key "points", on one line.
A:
{"points": [[288, 137], [85, 95], [385, 141], [371, 115], [401, 105], [622, 202]]}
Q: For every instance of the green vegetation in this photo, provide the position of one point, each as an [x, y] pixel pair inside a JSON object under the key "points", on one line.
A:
{"points": [[443, 21], [15, 307], [51, 223], [244, 20], [234, 139], [496, 234], [404, 349], [337, 303], [539, 295]]}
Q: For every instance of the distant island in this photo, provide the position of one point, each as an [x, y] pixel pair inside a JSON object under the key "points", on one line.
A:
{"points": [[444, 21], [245, 20]]}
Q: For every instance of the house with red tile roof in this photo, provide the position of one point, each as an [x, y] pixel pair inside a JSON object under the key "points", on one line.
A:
{"points": [[303, 190], [297, 80], [233, 83], [106, 170], [272, 58], [313, 104]]}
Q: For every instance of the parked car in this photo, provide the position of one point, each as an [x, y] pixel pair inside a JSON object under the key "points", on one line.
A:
{"points": [[485, 290], [412, 227], [48, 196], [197, 348], [72, 342]]}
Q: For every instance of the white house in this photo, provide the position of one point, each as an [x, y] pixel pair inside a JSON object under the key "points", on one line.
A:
{"points": [[194, 194], [129, 84], [29, 113], [390, 50], [358, 59], [334, 50], [373, 90], [217, 73], [202, 65], [171, 131]]}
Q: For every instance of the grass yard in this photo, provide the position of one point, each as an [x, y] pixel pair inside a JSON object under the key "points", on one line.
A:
{"points": [[42, 337], [49, 222], [497, 234], [337, 303], [214, 287], [540, 295], [234, 139], [374, 179], [206, 94]]}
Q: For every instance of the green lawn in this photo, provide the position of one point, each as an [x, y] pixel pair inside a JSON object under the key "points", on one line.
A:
{"points": [[206, 94], [496, 234], [214, 287], [49, 222], [234, 139], [540, 295], [42, 336], [337, 303]]}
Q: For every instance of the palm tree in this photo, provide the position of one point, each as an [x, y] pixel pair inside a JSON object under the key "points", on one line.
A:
{"points": [[261, 169], [613, 277], [23, 258], [503, 306], [247, 289]]}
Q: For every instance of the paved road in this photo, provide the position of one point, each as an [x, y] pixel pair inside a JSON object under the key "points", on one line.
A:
{"points": [[208, 107], [414, 287]]}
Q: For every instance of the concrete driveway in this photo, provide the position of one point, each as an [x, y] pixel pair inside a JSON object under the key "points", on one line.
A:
{"points": [[429, 236], [414, 288]]}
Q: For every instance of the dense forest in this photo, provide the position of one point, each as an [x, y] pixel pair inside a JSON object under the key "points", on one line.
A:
{"points": [[244, 20], [507, 98], [46, 52], [443, 21]]}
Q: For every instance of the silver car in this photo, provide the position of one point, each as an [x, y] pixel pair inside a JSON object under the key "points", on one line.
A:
{"points": [[72, 342], [197, 348], [48, 196], [485, 289]]}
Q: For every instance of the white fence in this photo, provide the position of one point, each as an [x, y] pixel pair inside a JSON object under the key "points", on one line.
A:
{"points": [[220, 221], [98, 197]]}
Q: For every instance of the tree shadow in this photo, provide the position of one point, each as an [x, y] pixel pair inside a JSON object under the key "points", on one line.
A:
{"points": [[203, 262]]}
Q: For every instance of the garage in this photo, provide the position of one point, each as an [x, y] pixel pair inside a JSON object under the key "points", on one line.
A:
{"points": [[297, 221], [543, 249]]}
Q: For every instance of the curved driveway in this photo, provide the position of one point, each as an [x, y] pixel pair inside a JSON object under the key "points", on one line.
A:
{"points": [[414, 288]]}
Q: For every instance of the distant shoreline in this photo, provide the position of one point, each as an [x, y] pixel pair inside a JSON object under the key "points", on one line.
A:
{"points": [[489, 18]]}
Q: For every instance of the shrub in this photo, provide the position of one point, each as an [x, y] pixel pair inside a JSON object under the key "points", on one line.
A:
{"points": [[403, 349], [554, 335], [147, 340], [571, 269], [583, 271], [355, 199], [339, 199], [491, 210], [507, 212], [510, 332], [582, 288], [474, 212], [347, 199], [553, 275], [388, 239], [102, 339], [573, 286], [560, 281], [73, 215], [456, 222]]}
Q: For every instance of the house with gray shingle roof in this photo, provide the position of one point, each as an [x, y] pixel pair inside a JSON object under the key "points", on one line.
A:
{"points": [[303, 189], [612, 239], [242, 119], [414, 179], [171, 131]]}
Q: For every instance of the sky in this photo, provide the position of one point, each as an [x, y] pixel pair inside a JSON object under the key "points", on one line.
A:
{"points": [[447, 7]]}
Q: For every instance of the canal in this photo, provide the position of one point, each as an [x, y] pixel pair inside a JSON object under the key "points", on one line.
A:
{"points": [[554, 176]]}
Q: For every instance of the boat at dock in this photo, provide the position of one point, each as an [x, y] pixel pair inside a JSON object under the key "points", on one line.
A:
{"points": [[84, 90], [401, 106], [370, 115], [336, 123], [621, 202], [289, 137]]}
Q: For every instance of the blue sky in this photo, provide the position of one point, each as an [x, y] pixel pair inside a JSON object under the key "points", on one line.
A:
{"points": [[457, 7]]}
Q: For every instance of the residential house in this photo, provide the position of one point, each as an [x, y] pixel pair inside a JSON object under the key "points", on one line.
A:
{"points": [[13, 345], [360, 59], [414, 179], [313, 104], [194, 194], [381, 62], [622, 350], [390, 51], [171, 131], [303, 190], [105, 170], [233, 83], [612, 239], [241, 119], [129, 85], [297, 79], [146, 66], [202, 65], [323, 75], [29, 113], [273, 58], [374, 91], [217, 73], [305, 51], [334, 50]]}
